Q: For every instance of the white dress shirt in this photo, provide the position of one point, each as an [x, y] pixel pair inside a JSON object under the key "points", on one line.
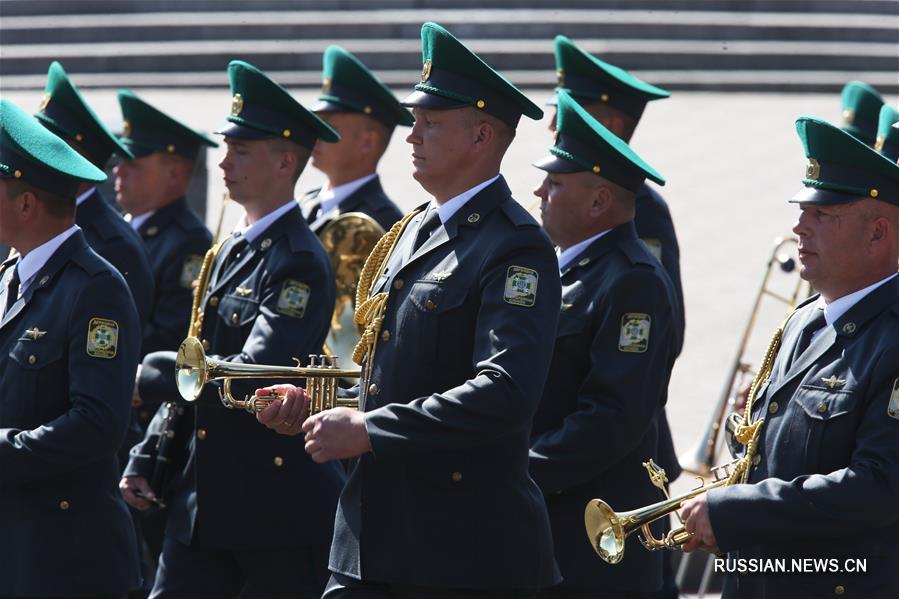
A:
{"points": [[33, 261]]}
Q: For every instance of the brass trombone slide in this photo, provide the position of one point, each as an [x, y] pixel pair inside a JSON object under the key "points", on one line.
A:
{"points": [[704, 454], [193, 369]]}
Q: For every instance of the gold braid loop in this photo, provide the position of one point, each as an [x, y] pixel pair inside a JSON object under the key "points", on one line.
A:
{"points": [[748, 432], [202, 282], [370, 310]]}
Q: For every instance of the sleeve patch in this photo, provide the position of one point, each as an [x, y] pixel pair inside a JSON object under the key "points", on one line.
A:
{"points": [[893, 407], [654, 246], [293, 299], [191, 270], [634, 336], [102, 338], [521, 286]]}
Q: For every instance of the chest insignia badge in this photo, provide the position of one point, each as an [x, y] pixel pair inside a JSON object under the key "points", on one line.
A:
{"points": [[442, 275], [893, 407], [35, 333], [243, 291], [833, 382]]}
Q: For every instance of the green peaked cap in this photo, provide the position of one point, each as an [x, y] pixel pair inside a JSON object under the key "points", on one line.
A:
{"points": [[887, 142], [32, 153], [584, 144], [452, 76], [260, 108], [589, 79], [348, 86], [861, 107], [64, 111], [841, 168], [148, 130]]}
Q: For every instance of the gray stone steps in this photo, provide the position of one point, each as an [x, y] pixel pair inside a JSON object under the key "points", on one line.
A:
{"points": [[11, 8], [405, 54], [402, 80], [487, 23]]}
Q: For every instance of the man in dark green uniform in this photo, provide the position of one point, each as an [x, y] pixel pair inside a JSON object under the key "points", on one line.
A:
{"points": [[64, 112], [365, 113], [151, 189], [439, 502], [251, 515], [823, 485], [615, 345], [69, 340]]}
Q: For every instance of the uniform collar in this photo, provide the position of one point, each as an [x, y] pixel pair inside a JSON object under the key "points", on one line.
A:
{"points": [[31, 263], [80, 199], [568, 255], [453, 205], [837, 308], [331, 198], [160, 218], [599, 246], [137, 221], [251, 232]]}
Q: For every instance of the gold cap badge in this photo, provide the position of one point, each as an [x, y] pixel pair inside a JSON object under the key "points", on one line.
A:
{"points": [[326, 85], [812, 169], [426, 70], [126, 129], [236, 104], [44, 101], [848, 116], [560, 77]]}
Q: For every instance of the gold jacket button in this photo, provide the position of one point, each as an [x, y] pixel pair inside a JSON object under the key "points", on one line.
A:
{"points": [[206, 344], [839, 589], [756, 459], [235, 318], [773, 407], [398, 284], [32, 359], [457, 477], [201, 434], [279, 461], [373, 389], [822, 407], [431, 306], [63, 505], [385, 335], [214, 301]]}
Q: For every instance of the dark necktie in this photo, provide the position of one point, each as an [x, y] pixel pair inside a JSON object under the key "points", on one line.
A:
{"points": [[815, 322], [238, 247], [12, 290], [427, 226]]}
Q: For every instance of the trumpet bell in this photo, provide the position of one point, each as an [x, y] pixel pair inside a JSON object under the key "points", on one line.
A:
{"points": [[605, 531], [190, 368]]}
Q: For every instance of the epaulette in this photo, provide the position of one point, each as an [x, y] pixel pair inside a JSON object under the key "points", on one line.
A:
{"points": [[637, 253], [517, 214]]}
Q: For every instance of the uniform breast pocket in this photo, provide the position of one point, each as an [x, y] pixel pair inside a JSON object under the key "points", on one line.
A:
{"points": [[826, 424], [238, 311], [36, 377], [432, 313]]}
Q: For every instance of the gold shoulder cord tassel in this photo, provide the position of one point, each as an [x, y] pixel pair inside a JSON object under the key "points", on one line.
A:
{"points": [[370, 309], [196, 314], [748, 432]]}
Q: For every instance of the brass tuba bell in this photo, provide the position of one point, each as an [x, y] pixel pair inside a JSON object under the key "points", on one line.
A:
{"points": [[348, 240]]}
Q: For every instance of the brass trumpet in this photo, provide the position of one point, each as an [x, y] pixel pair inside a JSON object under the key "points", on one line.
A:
{"points": [[608, 529], [193, 369]]}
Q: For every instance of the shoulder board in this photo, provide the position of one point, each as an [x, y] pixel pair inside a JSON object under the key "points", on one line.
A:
{"points": [[517, 214], [637, 253], [91, 262]]}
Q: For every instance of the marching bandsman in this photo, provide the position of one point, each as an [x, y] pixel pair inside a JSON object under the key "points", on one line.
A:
{"points": [[69, 341], [250, 513], [823, 484], [860, 110], [887, 142], [617, 100], [64, 112], [439, 502], [365, 113], [615, 345], [151, 188]]}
